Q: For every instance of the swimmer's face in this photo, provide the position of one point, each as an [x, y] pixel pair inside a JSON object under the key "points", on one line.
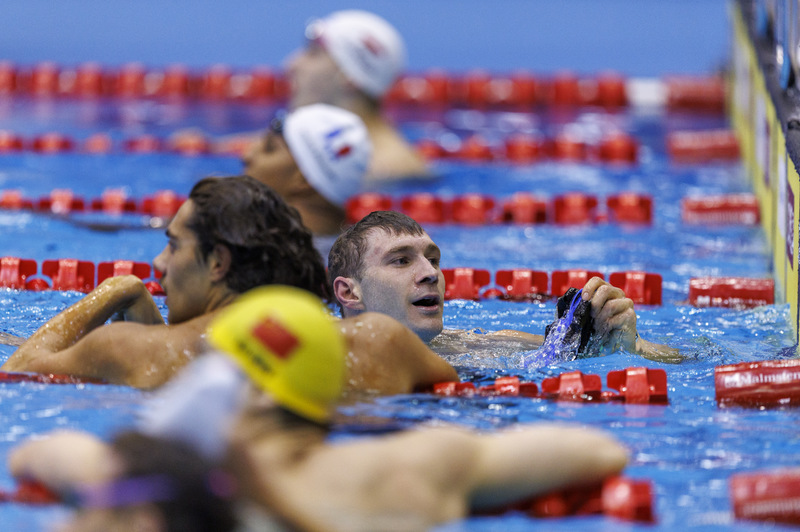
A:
{"points": [[401, 277], [314, 77], [269, 160], [186, 278]]}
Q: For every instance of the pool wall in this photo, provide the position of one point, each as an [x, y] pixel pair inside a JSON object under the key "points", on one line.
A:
{"points": [[763, 107]]}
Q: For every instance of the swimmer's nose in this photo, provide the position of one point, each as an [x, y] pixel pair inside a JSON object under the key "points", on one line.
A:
{"points": [[249, 152], [158, 261], [428, 273]]}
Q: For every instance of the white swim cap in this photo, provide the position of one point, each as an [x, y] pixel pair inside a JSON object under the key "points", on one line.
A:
{"points": [[331, 147], [368, 49]]}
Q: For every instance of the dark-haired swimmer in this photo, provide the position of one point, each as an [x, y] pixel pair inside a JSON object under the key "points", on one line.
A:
{"points": [[231, 235], [387, 263]]}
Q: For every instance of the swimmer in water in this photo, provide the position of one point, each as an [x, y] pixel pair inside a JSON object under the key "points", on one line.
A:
{"points": [[387, 263], [288, 473], [315, 158], [231, 235], [351, 59], [224, 240]]}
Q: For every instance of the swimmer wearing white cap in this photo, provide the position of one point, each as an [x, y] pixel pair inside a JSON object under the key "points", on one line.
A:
{"points": [[315, 158], [351, 60]]}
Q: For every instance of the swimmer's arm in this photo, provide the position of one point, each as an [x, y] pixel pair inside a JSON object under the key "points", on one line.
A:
{"points": [[125, 295], [518, 464], [143, 356], [62, 460], [386, 357]]}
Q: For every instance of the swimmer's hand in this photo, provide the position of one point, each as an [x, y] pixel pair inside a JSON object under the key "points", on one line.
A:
{"points": [[135, 303], [615, 323]]}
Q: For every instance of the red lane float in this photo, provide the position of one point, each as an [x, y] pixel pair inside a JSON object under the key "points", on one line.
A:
{"points": [[639, 385], [70, 274], [641, 287], [524, 208], [767, 383], [162, 204], [634, 385], [61, 201], [8, 77], [618, 148], [10, 142], [97, 143], [14, 200], [725, 209], [522, 284], [362, 204], [619, 497], [630, 208], [733, 292], [563, 280], [697, 147], [472, 209], [142, 144], [52, 143], [129, 81], [465, 283], [575, 208], [771, 496], [114, 202], [573, 386], [522, 148], [692, 93], [14, 272], [122, 267], [424, 208]]}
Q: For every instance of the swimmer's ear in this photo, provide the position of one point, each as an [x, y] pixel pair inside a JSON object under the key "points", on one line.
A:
{"points": [[219, 262], [348, 293]]}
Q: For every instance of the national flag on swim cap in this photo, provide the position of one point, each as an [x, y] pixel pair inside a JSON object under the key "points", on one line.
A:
{"points": [[288, 344], [331, 147], [364, 46]]}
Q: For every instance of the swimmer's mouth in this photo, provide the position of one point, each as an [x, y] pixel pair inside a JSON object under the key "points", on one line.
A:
{"points": [[432, 301]]}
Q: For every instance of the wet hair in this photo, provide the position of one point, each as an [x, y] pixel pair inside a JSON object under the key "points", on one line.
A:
{"points": [[200, 495], [266, 237], [345, 258]]}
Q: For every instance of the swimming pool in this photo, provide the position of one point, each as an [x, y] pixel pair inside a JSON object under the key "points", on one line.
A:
{"points": [[688, 448]]}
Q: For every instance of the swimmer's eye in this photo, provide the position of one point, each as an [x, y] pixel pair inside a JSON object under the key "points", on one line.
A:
{"points": [[434, 261], [400, 261]]}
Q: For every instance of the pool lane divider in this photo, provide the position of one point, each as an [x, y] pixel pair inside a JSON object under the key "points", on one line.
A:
{"points": [[634, 385], [572, 208], [72, 274], [617, 147], [519, 284], [520, 90]]}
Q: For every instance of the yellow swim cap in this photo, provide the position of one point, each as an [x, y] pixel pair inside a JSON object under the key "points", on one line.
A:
{"points": [[287, 343]]}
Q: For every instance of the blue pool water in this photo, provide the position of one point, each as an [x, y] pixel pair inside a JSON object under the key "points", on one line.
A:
{"points": [[688, 448]]}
